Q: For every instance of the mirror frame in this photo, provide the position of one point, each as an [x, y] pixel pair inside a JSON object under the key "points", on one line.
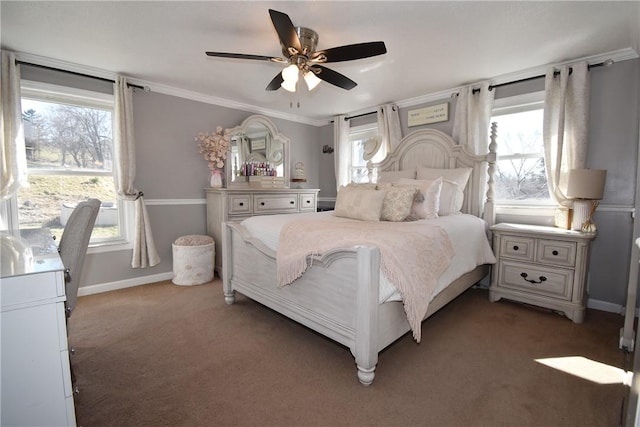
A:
{"points": [[276, 137]]}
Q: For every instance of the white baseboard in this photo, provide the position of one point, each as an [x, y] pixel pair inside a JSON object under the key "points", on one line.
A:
{"points": [[122, 284], [605, 306]]}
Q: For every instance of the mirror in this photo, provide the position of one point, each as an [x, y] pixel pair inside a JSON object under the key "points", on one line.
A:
{"points": [[257, 148]]}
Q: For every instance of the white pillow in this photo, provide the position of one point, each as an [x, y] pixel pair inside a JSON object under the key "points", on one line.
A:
{"points": [[451, 198], [449, 203], [390, 176], [397, 203], [428, 204], [359, 203]]}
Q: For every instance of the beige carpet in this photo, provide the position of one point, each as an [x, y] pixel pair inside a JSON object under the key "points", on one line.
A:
{"points": [[166, 355]]}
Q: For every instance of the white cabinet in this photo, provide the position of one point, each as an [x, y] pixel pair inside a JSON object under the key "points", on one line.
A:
{"points": [[236, 204], [35, 372], [543, 266]]}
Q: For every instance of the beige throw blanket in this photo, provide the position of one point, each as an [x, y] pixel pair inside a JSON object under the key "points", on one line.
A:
{"points": [[413, 255]]}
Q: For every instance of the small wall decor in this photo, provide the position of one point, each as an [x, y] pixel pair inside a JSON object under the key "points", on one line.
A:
{"points": [[426, 115]]}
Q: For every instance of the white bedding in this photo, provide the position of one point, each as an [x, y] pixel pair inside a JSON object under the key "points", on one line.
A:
{"points": [[466, 232]]}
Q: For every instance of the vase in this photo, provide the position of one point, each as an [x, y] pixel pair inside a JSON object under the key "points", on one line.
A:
{"points": [[216, 178]]}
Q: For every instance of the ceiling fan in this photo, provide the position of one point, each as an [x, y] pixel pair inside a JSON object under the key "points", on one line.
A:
{"points": [[299, 48]]}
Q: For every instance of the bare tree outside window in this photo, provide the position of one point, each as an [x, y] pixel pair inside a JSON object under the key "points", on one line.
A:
{"points": [[520, 172]]}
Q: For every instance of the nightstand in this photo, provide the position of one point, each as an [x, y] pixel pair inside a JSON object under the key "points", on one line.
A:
{"points": [[542, 266]]}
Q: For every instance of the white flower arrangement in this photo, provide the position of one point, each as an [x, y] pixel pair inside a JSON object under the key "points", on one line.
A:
{"points": [[214, 147]]}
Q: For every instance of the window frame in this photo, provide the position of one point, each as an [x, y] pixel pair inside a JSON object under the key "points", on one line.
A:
{"points": [[47, 92], [519, 104]]}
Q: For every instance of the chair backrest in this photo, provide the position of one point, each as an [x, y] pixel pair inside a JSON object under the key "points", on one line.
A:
{"points": [[73, 246]]}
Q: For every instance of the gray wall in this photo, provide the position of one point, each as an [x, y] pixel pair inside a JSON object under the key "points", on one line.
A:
{"points": [[169, 168], [172, 174], [613, 145]]}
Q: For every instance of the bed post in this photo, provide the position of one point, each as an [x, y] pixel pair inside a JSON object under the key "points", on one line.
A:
{"points": [[368, 280], [489, 206]]}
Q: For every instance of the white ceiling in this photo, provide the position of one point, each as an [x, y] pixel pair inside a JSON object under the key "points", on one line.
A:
{"points": [[432, 46]]}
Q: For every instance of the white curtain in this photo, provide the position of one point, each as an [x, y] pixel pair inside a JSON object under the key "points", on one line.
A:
{"points": [[144, 249], [472, 123], [342, 151], [473, 114], [566, 116], [389, 129], [13, 160]]}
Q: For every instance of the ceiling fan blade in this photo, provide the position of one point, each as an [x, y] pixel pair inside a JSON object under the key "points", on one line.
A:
{"points": [[351, 52], [275, 83], [245, 56], [334, 77], [285, 29]]}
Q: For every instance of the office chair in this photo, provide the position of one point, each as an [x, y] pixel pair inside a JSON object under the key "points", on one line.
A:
{"points": [[73, 247]]}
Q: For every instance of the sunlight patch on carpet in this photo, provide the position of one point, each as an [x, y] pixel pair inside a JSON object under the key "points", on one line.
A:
{"points": [[588, 369]]}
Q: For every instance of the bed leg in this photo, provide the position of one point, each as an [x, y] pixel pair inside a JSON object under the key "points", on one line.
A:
{"points": [[230, 297], [366, 342], [366, 375]]}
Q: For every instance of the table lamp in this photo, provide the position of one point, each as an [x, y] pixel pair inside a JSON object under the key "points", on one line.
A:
{"points": [[586, 187]]}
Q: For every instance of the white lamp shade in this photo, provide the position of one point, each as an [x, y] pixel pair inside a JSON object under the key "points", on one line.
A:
{"points": [[288, 85], [311, 79], [586, 183], [290, 73]]}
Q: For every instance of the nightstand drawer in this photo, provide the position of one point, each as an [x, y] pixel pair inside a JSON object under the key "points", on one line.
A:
{"points": [[546, 281], [556, 252], [517, 247], [308, 202], [239, 205], [284, 203]]}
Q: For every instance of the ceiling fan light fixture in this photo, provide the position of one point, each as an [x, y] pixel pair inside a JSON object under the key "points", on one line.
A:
{"points": [[311, 79]]}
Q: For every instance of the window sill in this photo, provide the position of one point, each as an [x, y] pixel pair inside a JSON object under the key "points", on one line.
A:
{"points": [[102, 247]]}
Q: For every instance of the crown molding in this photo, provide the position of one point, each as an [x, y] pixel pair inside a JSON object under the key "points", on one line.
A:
{"points": [[616, 56]]}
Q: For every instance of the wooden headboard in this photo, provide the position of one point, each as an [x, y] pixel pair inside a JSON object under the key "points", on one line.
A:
{"points": [[434, 149]]}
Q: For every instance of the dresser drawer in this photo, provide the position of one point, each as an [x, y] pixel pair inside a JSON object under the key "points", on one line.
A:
{"points": [[307, 202], [546, 281], [556, 252], [517, 247], [239, 205], [275, 203]]}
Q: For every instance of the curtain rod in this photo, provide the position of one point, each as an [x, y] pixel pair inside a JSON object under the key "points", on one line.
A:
{"points": [[46, 67], [360, 115], [607, 63]]}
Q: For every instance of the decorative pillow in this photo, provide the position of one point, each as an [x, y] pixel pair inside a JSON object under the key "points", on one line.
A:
{"points": [[459, 176], [390, 176], [359, 203], [427, 202], [397, 203]]}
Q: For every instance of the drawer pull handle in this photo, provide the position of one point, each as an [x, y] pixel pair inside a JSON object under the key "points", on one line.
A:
{"points": [[241, 204], [515, 247], [541, 279], [308, 201], [261, 203], [292, 202], [555, 253]]}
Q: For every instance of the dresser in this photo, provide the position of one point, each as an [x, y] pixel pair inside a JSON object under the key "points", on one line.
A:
{"points": [[542, 266], [35, 370], [236, 204]]}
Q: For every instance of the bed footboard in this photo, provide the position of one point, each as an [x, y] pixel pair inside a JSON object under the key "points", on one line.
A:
{"points": [[323, 299]]}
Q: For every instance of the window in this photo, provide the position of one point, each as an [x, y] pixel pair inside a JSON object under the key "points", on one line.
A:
{"points": [[520, 170], [69, 150], [358, 137]]}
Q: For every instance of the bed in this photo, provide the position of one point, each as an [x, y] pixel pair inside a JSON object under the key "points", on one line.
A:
{"points": [[343, 291]]}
